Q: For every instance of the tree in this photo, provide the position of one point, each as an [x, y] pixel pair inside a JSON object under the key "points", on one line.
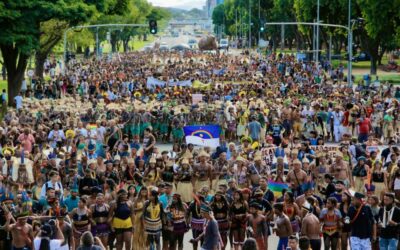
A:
{"points": [[218, 16], [51, 32], [20, 23], [378, 35]]}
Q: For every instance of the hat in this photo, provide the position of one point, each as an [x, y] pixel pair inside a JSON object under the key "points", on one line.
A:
{"points": [[203, 154], [339, 154], [117, 158], [246, 138], [131, 161], [306, 206], [358, 195], [184, 161], [305, 160], [92, 161], [91, 147], [240, 159], [258, 192]]}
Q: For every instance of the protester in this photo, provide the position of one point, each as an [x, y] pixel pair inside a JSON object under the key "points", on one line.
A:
{"points": [[270, 147]]}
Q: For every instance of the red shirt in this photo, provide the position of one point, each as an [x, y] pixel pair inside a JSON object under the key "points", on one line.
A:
{"points": [[364, 126]]}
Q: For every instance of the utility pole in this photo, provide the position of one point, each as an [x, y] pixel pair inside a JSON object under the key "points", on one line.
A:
{"points": [[249, 24], [259, 21], [317, 42], [236, 25], [330, 49], [97, 43], [282, 38], [349, 48], [313, 41]]}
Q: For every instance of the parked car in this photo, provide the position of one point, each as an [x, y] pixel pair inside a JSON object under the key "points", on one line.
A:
{"points": [[164, 47], [192, 43], [361, 57], [223, 44]]}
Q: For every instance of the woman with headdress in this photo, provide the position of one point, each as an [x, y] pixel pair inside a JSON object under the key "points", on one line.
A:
{"points": [[176, 215], [139, 236], [184, 180], [220, 208], [152, 219], [151, 175], [238, 214], [121, 219], [80, 219], [99, 218], [240, 171]]}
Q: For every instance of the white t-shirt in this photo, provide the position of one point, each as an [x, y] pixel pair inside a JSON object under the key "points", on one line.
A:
{"points": [[18, 101], [54, 244]]}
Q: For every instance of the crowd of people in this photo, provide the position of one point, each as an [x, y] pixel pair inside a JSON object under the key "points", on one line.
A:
{"points": [[96, 158]]}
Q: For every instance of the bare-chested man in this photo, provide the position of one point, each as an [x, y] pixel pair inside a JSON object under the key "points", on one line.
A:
{"points": [[257, 226], [296, 177], [219, 171], [341, 171], [22, 233], [311, 227], [282, 226], [202, 171]]}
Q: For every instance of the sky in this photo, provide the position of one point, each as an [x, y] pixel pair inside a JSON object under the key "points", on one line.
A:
{"points": [[183, 4]]}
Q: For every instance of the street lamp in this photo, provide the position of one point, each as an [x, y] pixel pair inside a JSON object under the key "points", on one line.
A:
{"points": [[249, 24], [317, 43]]}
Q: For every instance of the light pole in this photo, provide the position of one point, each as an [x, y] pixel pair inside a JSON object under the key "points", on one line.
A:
{"points": [[350, 47], [317, 42], [249, 24], [259, 21]]}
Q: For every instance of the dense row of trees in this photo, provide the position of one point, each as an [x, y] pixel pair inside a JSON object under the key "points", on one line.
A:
{"points": [[34, 27], [379, 33]]}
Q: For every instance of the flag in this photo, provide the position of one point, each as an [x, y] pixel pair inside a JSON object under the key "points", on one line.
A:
{"points": [[277, 187], [206, 136]]}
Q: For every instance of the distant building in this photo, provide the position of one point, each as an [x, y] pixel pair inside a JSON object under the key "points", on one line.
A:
{"points": [[210, 5]]}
